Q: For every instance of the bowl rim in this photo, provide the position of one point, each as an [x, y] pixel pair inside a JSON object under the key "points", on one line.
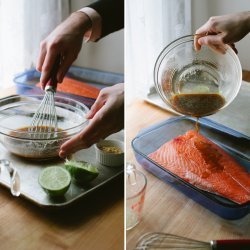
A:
{"points": [[35, 98]]}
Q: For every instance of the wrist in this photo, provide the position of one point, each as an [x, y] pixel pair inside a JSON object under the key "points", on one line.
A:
{"points": [[81, 21], [94, 32]]}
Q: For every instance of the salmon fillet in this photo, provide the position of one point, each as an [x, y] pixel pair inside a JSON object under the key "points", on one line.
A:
{"points": [[205, 165], [75, 87]]}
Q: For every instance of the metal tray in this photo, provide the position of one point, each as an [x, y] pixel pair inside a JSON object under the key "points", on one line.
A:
{"points": [[235, 143], [30, 170]]}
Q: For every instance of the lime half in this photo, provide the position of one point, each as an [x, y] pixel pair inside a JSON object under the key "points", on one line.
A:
{"points": [[55, 180], [82, 172]]}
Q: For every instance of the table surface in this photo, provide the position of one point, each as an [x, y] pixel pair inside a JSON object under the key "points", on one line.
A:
{"points": [[95, 222], [166, 209]]}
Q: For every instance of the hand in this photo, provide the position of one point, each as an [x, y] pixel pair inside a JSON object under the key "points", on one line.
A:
{"points": [[221, 30], [65, 41], [106, 117]]}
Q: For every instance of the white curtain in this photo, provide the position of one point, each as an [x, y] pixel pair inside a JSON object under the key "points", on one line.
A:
{"points": [[23, 24], [150, 26]]}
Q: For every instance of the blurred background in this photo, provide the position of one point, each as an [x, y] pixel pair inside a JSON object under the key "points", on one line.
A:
{"points": [[24, 23], [151, 25]]}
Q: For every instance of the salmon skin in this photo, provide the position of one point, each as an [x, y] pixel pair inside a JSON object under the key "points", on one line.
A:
{"points": [[205, 165]]}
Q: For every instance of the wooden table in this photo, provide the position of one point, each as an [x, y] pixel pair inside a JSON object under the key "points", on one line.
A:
{"points": [[96, 222], [166, 209]]}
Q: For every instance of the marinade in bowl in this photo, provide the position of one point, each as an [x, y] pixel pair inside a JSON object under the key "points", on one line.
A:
{"points": [[16, 113]]}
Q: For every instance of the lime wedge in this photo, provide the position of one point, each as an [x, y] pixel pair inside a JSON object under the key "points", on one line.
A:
{"points": [[55, 180], [82, 172]]}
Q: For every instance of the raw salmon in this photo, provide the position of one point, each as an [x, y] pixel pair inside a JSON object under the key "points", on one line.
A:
{"points": [[75, 87], [205, 165]]}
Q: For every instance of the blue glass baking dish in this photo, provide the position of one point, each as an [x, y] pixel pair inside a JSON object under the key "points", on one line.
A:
{"points": [[26, 82], [235, 143]]}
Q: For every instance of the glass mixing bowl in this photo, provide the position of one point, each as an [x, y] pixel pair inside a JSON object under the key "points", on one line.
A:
{"points": [[196, 83], [16, 113]]}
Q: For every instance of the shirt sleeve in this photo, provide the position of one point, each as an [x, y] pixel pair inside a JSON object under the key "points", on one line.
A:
{"points": [[95, 31], [112, 14]]}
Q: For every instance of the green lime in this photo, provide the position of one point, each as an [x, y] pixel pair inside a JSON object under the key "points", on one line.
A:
{"points": [[82, 172], [55, 180]]}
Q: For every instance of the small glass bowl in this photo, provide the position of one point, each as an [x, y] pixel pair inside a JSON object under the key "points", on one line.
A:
{"points": [[196, 83], [16, 112]]}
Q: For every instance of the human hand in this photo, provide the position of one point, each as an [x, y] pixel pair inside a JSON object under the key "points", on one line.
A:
{"points": [[66, 42], [221, 30], [106, 117]]}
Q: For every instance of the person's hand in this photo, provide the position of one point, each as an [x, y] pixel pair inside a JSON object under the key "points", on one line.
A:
{"points": [[66, 42], [106, 117], [221, 30]]}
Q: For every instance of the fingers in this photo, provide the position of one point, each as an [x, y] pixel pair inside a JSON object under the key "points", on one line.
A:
{"points": [[234, 48], [97, 129], [202, 31], [41, 57], [46, 62], [215, 42], [100, 101], [90, 135], [197, 46], [64, 66], [107, 117], [49, 61], [71, 146], [84, 140]]}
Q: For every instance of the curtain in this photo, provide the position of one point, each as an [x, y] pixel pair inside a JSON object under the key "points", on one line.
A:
{"points": [[23, 24], [150, 26]]}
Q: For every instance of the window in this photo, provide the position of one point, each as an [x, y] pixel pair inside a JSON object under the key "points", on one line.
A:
{"points": [[23, 24], [148, 31]]}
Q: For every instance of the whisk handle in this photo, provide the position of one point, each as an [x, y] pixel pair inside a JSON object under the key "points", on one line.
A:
{"points": [[52, 83], [242, 244]]}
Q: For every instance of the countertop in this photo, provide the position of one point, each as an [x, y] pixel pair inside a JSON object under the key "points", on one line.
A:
{"points": [[95, 222], [166, 209]]}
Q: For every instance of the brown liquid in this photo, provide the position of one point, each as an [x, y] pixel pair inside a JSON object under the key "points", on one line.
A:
{"points": [[35, 149], [197, 105], [39, 133], [197, 127]]}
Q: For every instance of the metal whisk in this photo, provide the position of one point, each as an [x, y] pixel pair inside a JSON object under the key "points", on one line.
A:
{"points": [[44, 122], [156, 241]]}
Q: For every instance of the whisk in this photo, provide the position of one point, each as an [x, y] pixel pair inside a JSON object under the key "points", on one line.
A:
{"points": [[44, 122], [154, 241]]}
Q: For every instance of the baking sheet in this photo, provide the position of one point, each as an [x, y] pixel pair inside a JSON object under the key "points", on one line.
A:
{"points": [[235, 116], [30, 170]]}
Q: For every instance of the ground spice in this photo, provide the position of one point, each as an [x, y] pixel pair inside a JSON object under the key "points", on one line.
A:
{"points": [[111, 149]]}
